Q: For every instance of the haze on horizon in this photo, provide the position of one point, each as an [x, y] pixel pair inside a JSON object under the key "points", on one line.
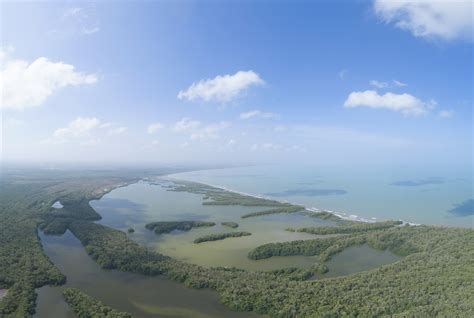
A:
{"points": [[378, 82]]}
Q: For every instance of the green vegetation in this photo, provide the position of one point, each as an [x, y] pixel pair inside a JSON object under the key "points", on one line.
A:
{"points": [[217, 196], [233, 225], [354, 227], [323, 246], [220, 236], [169, 226], [435, 278], [26, 198], [85, 306], [324, 215], [289, 208], [438, 262]]}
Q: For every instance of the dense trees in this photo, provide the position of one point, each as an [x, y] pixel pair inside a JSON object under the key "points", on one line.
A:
{"points": [[85, 306], [169, 226], [353, 227], [283, 209], [233, 225], [435, 278], [220, 236]]}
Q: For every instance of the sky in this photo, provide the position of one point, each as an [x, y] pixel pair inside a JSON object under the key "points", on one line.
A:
{"points": [[343, 82]]}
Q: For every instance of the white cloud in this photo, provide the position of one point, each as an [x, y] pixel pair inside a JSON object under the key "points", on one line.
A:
{"points": [[152, 128], [79, 127], [222, 88], [231, 142], [399, 84], [106, 125], [117, 131], [186, 124], [406, 104], [446, 20], [210, 131], [90, 30], [70, 12], [394, 83], [445, 114], [257, 114], [27, 85], [378, 84], [82, 20]]}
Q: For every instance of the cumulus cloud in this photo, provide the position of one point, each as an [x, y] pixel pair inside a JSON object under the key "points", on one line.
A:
{"points": [[222, 88], [186, 124], [79, 127], [440, 19], [85, 131], [257, 114], [406, 104], [152, 128], [27, 84], [210, 131]]}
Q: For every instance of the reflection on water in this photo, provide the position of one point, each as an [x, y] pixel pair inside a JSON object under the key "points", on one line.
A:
{"points": [[142, 296]]}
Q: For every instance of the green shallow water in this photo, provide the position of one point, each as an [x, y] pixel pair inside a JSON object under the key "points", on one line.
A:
{"points": [[140, 203]]}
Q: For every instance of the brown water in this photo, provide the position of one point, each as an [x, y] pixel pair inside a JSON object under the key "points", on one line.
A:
{"points": [[142, 296]]}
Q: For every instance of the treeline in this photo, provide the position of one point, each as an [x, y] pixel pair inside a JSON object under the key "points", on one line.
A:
{"points": [[354, 227], [112, 249], [324, 215], [324, 246], [220, 236], [284, 209], [232, 225], [85, 306], [439, 263], [216, 196], [169, 226]]}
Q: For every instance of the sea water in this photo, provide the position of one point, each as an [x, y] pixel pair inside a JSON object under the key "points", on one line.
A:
{"points": [[422, 194]]}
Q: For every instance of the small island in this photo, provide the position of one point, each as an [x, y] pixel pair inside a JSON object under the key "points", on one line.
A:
{"points": [[233, 225], [131, 230], [220, 236], [169, 226]]}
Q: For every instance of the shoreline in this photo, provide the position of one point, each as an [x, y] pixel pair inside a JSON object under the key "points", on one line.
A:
{"points": [[340, 214]]}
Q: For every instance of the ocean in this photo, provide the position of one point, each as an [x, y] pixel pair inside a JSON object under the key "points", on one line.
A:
{"points": [[420, 195]]}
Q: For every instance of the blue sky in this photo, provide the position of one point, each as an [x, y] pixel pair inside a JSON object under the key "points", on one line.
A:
{"points": [[314, 82]]}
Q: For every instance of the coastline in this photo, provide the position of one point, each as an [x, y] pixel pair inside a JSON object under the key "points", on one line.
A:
{"points": [[340, 214]]}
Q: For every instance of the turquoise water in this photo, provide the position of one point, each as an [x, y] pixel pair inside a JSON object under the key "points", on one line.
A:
{"points": [[426, 195]]}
